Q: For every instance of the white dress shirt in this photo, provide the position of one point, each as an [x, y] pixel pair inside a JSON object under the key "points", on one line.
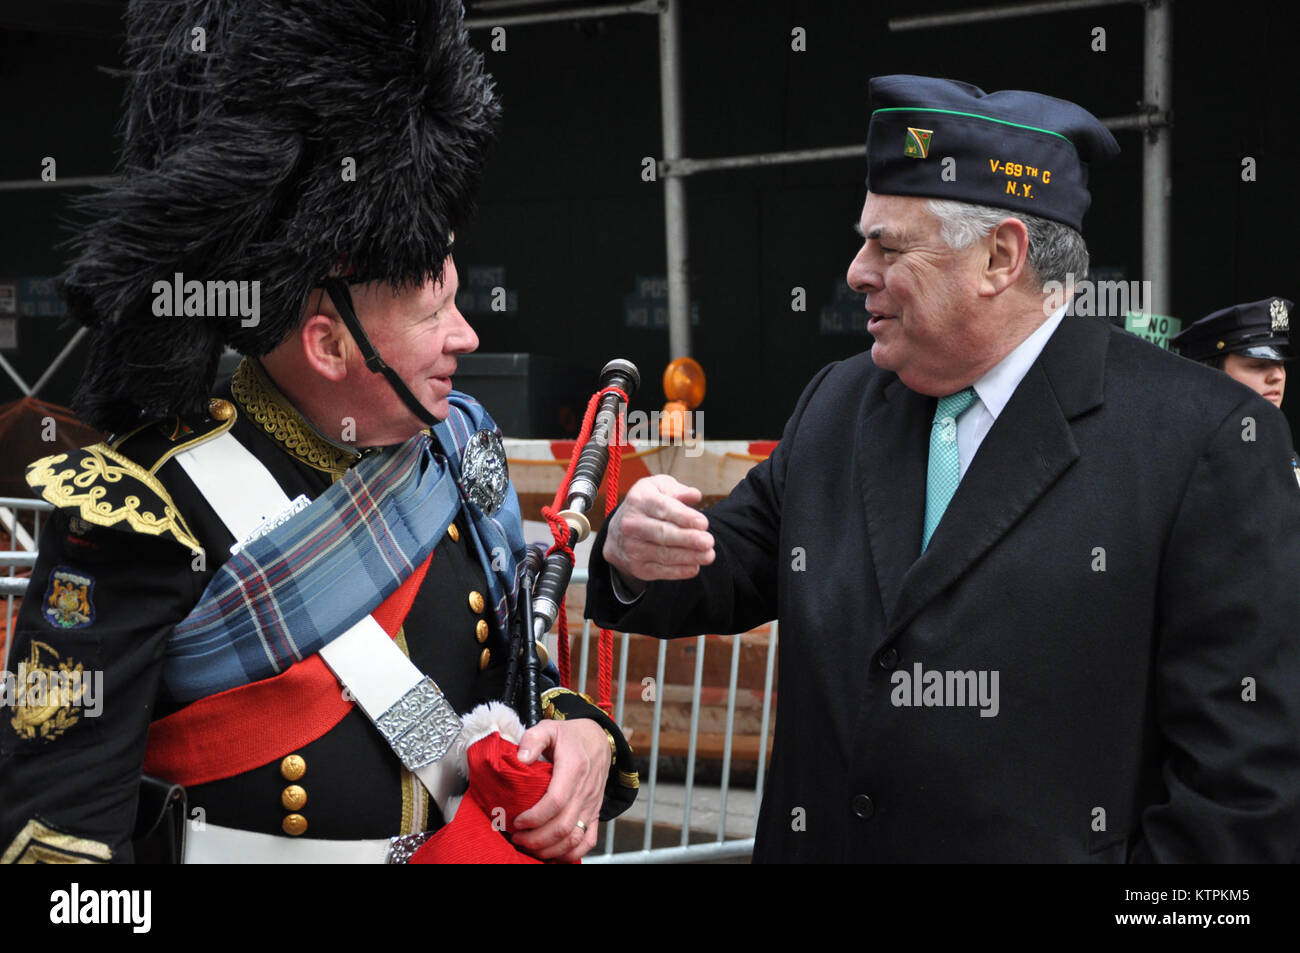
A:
{"points": [[994, 389]]}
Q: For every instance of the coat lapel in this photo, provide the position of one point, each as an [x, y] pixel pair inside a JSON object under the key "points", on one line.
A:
{"points": [[1026, 451], [891, 454]]}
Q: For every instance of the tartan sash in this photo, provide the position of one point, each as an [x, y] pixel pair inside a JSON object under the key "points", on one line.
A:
{"points": [[287, 594]]}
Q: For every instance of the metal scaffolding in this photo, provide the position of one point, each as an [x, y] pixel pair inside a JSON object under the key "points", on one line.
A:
{"points": [[672, 166], [1153, 119]]}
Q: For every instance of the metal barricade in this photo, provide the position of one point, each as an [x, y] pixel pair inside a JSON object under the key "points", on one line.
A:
{"points": [[721, 847], [21, 556]]}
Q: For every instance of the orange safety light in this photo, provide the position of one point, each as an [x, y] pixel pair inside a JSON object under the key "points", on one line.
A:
{"points": [[684, 381], [684, 388]]}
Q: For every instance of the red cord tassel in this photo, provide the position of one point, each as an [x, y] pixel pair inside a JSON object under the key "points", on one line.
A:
{"points": [[560, 532]]}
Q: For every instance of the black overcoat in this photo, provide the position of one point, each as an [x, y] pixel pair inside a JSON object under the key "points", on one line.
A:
{"points": [[1123, 553]]}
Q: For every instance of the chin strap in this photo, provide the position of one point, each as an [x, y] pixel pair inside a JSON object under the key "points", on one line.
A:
{"points": [[342, 298]]}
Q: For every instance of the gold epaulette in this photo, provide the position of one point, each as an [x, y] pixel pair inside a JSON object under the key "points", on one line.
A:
{"points": [[111, 484]]}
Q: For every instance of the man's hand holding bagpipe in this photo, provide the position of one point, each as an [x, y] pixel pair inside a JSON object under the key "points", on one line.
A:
{"points": [[562, 825]]}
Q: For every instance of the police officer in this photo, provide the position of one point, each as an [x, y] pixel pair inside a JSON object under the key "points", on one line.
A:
{"points": [[1250, 343]]}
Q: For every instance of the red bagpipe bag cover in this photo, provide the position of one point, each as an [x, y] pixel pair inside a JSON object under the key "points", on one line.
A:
{"points": [[501, 788]]}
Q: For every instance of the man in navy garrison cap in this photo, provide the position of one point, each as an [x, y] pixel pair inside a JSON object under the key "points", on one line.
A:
{"points": [[1251, 343], [1008, 630]]}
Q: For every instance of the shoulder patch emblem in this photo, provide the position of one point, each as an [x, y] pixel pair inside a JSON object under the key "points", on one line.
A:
{"points": [[48, 694], [69, 600]]}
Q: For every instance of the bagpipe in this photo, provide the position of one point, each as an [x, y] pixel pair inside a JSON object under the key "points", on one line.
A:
{"points": [[547, 571], [486, 751]]}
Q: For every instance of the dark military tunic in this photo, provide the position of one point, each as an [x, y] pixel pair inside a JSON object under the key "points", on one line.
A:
{"points": [[119, 567]]}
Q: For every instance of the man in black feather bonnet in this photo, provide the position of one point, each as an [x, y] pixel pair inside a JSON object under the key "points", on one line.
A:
{"points": [[275, 598]]}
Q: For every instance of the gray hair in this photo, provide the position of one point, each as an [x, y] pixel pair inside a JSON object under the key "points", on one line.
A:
{"points": [[1055, 250]]}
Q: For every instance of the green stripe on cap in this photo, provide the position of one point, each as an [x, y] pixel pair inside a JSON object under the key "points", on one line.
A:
{"points": [[953, 112]]}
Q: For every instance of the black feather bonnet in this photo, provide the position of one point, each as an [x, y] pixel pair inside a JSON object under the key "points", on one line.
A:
{"points": [[268, 141]]}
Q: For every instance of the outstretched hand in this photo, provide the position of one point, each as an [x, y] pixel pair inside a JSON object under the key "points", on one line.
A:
{"points": [[656, 534]]}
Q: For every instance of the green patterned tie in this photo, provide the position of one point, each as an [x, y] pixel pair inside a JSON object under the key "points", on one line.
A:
{"points": [[944, 471]]}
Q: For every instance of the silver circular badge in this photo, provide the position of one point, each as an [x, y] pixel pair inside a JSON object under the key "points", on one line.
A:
{"points": [[486, 473]]}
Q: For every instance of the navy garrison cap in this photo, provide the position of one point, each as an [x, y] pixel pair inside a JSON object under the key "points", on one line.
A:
{"points": [[1258, 329], [1011, 149]]}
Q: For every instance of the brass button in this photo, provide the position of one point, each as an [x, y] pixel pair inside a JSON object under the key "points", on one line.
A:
{"points": [[454, 533], [293, 767], [543, 656], [481, 630], [1219, 346], [293, 797], [221, 410], [484, 657], [293, 824], [476, 601]]}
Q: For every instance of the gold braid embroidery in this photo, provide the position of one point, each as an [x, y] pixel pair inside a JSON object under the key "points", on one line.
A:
{"points": [[548, 701], [264, 403], [415, 804], [100, 465], [37, 843], [626, 778]]}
